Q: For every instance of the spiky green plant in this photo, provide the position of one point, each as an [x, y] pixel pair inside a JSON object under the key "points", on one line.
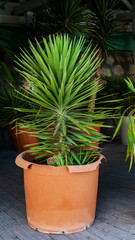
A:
{"points": [[131, 126], [65, 16], [117, 89], [101, 26], [102, 23], [61, 86], [9, 100]]}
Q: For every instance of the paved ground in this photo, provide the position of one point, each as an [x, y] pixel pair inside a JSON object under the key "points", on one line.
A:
{"points": [[115, 216]]}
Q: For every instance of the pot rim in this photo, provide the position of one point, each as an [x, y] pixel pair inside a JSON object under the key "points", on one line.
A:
{"points": [[26, 165]]}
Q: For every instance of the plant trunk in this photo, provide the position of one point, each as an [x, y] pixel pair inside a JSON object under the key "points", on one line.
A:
{"points": [[91, 105]]}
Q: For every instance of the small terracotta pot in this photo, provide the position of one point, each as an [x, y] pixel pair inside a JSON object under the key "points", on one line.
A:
{"points": [[59, 199], [20, 140]]}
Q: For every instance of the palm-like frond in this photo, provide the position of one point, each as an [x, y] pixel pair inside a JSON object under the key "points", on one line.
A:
{"points": [[102, 23], [65, 16], [131, 126], [60, 92], [115, 90], [9, 100]]}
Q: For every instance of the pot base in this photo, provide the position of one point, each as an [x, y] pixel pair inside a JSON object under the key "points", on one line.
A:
{"points": [[62, 231]]}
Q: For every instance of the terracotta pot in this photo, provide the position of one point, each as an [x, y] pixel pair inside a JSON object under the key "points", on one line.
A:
{"points": [[59, 199], [19, 140]]}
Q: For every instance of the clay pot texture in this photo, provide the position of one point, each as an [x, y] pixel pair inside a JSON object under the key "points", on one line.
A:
{"points": [[59, 199], [20, 140]]}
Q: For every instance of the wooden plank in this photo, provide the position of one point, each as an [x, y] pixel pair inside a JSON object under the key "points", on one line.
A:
{"points": [[118, 183], [16, 182], [128, 214], [119, 193], [1, 238], [113, 195], [84, 235], [116, 212], [20, 219], [17, 228], [117, 222], [103, 226], [14, 202], [6, 233], [17, 194], [104, 235], [128, 211], [60, 237], [128, 193], [122, 202]]}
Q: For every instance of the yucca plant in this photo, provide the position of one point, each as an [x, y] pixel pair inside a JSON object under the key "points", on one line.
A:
{"points": [[115, 90], [60, 92], [131, 126], [9, 100], [102, 25], [65, 16]]}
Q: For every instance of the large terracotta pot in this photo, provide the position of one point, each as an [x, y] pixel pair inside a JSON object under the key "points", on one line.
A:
{"points": [[20, 140], [59, 199]]}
